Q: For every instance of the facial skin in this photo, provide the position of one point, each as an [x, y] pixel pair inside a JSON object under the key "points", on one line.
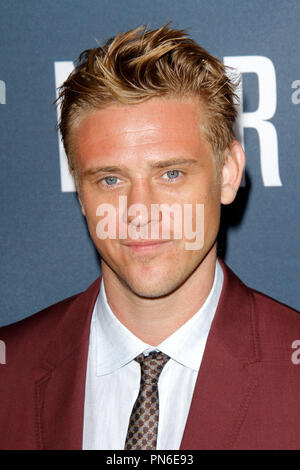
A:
{"points": [[133, 139]]}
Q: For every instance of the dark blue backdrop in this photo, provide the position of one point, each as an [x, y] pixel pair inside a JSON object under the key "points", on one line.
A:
{"points": [[46, 253]]}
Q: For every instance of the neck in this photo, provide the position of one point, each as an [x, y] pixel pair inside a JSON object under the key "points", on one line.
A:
{"points": [[153, 320]]}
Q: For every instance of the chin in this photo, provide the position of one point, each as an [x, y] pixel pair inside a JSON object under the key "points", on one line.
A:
{"points": [[150, 293], [153, 288]]}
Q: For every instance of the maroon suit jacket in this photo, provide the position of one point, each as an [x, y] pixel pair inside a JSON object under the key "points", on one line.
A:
{"points": [[247, 394]]}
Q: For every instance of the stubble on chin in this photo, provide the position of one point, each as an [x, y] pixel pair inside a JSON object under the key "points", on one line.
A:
{"points": [[150, 275]]}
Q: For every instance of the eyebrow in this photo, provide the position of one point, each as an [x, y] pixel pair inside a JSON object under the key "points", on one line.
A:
{"points": [[101, 169], [174, 162], [158, 164]]}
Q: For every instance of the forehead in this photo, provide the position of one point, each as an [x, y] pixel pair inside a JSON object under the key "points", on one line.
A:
{"points": [[167, 124]]}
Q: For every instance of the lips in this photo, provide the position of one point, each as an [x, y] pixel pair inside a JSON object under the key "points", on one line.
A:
{"points": [[144, 242], [145, 245]]}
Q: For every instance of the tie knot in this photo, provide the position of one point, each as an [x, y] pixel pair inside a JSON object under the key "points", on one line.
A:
{"points": [[152, 365]]}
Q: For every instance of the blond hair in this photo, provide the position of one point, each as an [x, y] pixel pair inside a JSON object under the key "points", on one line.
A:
{"points": [[139, 65]]}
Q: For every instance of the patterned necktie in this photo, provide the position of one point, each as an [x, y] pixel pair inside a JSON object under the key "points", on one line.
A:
{"points": [[143, 423]]}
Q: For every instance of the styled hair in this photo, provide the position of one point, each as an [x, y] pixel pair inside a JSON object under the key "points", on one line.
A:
{"points": [[139, 65]]}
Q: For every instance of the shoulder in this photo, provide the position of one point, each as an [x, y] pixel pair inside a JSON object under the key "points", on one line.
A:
{"points": [[39, 320], [275, 325], [268, 308], [273, 314], [273, 309], [32, 335], [278, 326]]}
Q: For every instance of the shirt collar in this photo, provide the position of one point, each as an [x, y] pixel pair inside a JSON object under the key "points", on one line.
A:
{"points": [[116, 345]]}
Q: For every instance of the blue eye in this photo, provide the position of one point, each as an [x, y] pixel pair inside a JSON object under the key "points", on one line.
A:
{"points": [[172, 174], [110, 180]]}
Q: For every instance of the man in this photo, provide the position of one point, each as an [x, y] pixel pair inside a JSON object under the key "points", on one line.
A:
{"points": [[169, 349]]}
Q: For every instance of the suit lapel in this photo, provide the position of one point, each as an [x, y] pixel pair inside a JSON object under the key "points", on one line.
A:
{"points": [[228, 374], [59, 392]]}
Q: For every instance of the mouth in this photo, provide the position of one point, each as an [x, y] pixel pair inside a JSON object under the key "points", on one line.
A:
{"points": [[145, 245]]}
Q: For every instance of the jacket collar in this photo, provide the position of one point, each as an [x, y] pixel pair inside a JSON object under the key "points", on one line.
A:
{"points": [[60, 390], [73, 328], [228, 374]]}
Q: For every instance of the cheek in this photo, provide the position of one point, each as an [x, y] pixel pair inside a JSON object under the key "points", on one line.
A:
{"points": [[211, 200], [204, 191], [90, 210], [90, 206], [90, 199], [213, 206]]}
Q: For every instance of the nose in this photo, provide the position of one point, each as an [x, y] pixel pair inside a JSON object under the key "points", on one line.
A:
{"points": [[140, 200]]}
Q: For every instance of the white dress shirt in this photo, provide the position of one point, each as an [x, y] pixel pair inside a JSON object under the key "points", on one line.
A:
{"points": [[113, 376]]}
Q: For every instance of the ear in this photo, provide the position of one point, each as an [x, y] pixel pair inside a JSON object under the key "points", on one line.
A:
{"points": [[77, 186], [232, 172]]}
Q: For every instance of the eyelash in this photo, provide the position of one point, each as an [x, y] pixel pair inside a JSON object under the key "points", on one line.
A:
{"points": [[169, 180], [173, 179]]}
